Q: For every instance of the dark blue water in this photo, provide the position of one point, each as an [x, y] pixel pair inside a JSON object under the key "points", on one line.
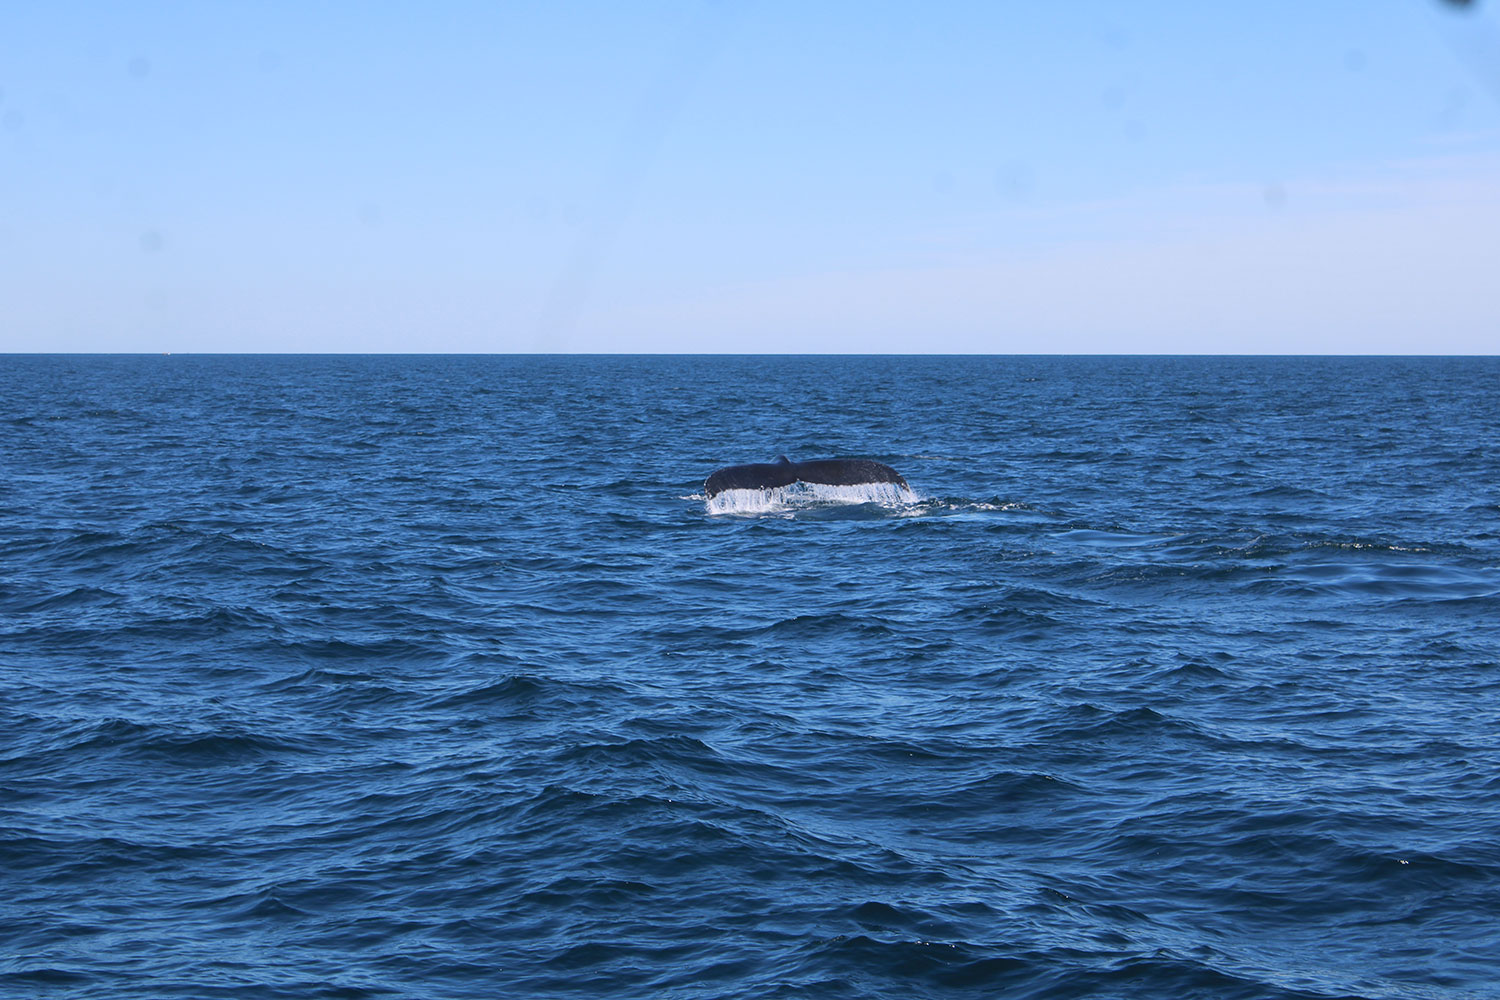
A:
{"points": [[433, 677]]}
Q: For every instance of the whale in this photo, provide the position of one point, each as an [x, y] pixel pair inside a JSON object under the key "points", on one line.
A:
{"points": [[785, 472]]}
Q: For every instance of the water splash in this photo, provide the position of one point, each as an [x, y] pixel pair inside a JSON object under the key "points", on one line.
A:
{"points": [[803, 495]]}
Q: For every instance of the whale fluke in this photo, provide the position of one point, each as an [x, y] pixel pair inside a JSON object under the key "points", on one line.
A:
{"points": [[785, 472]]}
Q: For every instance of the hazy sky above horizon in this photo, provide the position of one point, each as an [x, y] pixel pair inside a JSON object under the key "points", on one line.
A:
{"points": [[762, 176]]}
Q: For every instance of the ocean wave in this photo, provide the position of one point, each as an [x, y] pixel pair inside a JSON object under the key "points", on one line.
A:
{"points": [[329, 677]]}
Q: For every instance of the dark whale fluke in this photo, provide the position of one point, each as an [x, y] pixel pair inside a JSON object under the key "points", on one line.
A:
{"points": [[785, 472]]}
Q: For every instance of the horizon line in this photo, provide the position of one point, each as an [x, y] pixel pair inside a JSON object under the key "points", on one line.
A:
{"points": [[707, 354]]}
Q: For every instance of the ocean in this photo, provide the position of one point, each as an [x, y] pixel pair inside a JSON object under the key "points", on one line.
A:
{"points": [[438, 677]]}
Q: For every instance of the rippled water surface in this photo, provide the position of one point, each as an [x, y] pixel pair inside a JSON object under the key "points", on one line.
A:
{"points": [[435, 677]]}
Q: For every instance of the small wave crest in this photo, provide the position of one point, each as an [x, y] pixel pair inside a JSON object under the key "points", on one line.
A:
{"points": [[802, 495]]}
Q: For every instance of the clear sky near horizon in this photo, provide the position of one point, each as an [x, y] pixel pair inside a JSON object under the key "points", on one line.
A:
{"points": [[750, 177]]}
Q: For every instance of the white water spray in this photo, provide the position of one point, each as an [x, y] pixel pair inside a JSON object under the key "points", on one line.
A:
{"points": [[799, 495]]}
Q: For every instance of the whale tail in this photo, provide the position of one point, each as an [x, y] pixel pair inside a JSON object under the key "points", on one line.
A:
{"points": [[785, 472]]}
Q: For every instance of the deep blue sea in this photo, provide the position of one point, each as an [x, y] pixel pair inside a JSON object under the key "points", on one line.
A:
{"points": [[435, 677]]}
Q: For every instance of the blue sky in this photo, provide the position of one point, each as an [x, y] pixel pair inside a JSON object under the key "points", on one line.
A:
{"points": [[750, 176]]}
